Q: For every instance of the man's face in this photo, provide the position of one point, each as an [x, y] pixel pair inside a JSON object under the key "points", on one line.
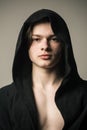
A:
{"points": [[45, 50]]}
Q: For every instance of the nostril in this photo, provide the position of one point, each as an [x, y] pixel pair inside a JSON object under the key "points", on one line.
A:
{"points": [[46, 48], [42, 49]]}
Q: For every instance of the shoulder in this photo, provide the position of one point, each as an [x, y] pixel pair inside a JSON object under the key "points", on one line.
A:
{"points": [[83, 85], [83, 91], [7, 90], [6, 93]]}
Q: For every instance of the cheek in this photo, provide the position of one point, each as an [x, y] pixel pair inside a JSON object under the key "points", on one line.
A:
{"points": [[57, 49], [30, 53], [57, 53], [33, 52]]}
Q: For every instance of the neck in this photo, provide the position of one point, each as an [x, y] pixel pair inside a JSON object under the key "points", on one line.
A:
{"points": [[45, 77]]}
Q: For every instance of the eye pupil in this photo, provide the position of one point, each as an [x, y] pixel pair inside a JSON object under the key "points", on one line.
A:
{"points": [[53, 39], [35, 39]]}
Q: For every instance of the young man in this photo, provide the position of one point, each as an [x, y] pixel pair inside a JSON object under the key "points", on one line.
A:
{"points": [[47, 92]]}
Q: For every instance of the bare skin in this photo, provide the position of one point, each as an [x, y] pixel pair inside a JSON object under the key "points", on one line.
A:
{"points": [[50, 116], [45, 55]]}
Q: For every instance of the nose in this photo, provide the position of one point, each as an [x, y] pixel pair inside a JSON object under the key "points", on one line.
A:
{"points": [[45, 44]]}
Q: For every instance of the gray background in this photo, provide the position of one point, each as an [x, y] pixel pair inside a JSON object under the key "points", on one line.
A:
{"points": [[14, 12]]}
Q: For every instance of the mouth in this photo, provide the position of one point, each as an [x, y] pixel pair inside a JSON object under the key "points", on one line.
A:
{"points": [[45, 56]]}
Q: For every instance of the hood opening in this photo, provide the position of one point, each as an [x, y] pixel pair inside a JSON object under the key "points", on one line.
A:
{"points": [[22, 65]]}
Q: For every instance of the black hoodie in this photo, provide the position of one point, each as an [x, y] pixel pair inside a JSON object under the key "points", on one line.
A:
{"points": [[18, 109]]}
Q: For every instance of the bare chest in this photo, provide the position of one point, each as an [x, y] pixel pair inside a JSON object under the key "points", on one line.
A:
{"points": [[49, 115]]}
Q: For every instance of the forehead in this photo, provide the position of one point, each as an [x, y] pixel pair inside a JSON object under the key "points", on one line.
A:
{"points": [[42, 29]]}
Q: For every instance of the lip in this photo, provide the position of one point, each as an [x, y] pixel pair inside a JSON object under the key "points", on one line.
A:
{"points": [[45, 56]]}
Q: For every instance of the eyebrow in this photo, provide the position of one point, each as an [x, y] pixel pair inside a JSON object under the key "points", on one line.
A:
{"points": [[38, 35]]}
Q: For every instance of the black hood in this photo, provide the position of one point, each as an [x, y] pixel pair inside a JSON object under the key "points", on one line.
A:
{"points": [[22, 65]]}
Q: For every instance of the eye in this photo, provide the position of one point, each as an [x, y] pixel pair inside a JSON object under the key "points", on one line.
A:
{"points": [[36, 39], [54, 39]]}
